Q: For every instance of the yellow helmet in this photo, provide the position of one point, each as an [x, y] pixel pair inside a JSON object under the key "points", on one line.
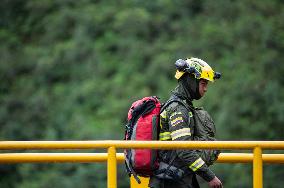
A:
{"points": [[198, 67]]}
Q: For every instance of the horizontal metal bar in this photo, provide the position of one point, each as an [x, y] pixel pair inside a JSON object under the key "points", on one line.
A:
{"points": [[15, 145], [56, 157], [248, 158], [102, 157]]}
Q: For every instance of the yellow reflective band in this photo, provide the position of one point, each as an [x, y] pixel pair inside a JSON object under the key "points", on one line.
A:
{"points": [[196, 165], [181, 132], [164, 114], [165, 136], [161, 126], [174, 114], [165, 133]]}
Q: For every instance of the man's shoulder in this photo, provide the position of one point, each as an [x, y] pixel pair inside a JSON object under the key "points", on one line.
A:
{"points": [[177, 106]]}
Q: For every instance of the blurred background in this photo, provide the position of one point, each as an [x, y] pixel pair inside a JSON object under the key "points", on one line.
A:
{"points": [[70, 70]]}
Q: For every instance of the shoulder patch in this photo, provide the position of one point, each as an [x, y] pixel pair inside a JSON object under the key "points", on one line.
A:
{"points": [[175, 114], [176, 118], [176, 121]]}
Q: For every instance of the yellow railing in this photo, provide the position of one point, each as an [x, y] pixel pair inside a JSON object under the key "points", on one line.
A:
{"points": [[7, 158], [112, 157]]}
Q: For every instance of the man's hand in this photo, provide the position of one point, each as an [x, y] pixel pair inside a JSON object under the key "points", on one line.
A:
{"points": [[215, 183]]}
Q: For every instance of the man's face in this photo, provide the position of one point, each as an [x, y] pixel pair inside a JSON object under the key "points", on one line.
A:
{"points": [[203, 87]]}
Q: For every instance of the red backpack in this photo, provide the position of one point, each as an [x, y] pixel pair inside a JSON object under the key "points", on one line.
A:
{"points": [[143, 124]]}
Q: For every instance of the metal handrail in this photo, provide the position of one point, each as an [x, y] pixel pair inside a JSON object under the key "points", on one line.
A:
{"points": [[112, 145], [6, 158], [234, 145]]}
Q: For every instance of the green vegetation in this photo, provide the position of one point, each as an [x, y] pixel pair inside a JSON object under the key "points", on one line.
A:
{"points": [[70, 70]]}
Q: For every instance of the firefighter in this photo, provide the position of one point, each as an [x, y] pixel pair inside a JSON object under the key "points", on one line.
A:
{"points": [[178, 168]]}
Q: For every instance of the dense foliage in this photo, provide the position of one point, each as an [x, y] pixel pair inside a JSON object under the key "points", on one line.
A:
{"points": [[70, 69]]}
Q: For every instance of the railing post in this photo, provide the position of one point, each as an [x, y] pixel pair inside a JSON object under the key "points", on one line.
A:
{"points": [[257, 167], [111, 168]]}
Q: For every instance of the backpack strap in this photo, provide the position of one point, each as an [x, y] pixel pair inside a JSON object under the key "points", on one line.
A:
{"points": [[178, 100], [130, 170]]}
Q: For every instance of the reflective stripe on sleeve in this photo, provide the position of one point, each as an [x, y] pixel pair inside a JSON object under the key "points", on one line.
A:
{"points": [[165, 136], [181, 132], [196, 165]]}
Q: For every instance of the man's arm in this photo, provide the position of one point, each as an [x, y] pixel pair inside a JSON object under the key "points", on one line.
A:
{"points": [[181, 131], [208, 155], [205, 130]]}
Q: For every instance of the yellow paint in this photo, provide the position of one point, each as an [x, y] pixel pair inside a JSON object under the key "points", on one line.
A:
{"points": [[112, 157], [111, 168], [102, 157], [39, 145], [257, 168], [57, 157], [134, 184]]}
